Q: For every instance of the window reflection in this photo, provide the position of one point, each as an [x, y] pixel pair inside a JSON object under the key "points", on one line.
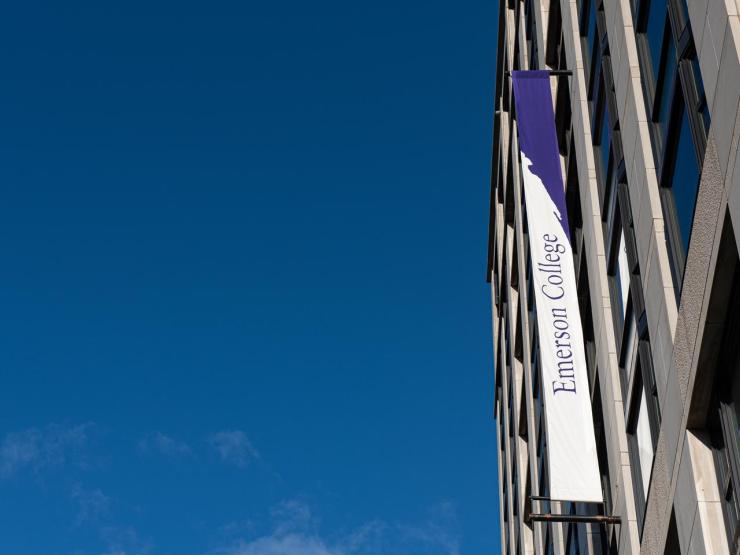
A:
{"points": [[644, 442], [591, 28], [685, 179], [630, 352], [604, 141], [666, 89], [622, 275], [704, 106], [654, 30], [678, 138]]}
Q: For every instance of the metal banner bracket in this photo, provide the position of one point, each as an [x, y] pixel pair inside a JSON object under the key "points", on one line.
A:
{"points": [[552, 72], [577, 519]]}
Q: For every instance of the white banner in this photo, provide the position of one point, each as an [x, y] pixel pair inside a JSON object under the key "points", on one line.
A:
{"points": [[571, 447]]}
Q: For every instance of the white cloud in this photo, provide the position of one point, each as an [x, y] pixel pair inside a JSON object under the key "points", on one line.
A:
{"points": [[91, 504], [164, 445], [368, 538], [125, 541], [437, 531], [233, 447], [292, 516], [39, 448], [296, 532], [238, 527], [289, 544]]}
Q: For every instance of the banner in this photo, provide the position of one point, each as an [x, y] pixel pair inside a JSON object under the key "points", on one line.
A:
{"points": [[571, 446]]}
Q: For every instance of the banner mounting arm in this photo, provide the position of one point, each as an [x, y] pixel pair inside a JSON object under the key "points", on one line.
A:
{"points": [[552, 72], [578, 519]]}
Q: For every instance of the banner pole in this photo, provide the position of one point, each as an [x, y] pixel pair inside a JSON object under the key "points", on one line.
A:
{"points": [[552, 72], [579, 519]]}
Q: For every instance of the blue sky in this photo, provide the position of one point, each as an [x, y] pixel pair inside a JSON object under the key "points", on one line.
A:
{"points": [[243, 296]]}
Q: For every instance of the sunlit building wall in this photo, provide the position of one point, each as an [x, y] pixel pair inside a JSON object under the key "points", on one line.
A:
{"points": [[648, 129]]}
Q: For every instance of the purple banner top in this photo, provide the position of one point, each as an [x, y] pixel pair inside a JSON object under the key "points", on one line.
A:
{"points": [[537, 138]]}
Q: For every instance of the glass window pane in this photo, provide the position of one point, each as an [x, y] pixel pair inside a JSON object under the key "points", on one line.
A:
{"points": [[591, 29], [654, 29], [622, 275], [666, 91], [644, 442], [630, 350], [685, 180], [704, 107], [604, 140], [683, 13], [736, 402]]}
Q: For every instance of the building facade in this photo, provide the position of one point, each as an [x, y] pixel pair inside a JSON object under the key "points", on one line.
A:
{"points": [[648, 129]]}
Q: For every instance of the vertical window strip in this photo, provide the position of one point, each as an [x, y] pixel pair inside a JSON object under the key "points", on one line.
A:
{"points": [[676, 105]]}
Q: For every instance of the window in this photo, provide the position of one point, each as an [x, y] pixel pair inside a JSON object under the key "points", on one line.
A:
{"points": [[601, 452], [539, 422], [588, 26], [665, 94], [630, 319], [619, 278], [572, 547], [642, 434], [573, 201], [604, 139], [622, 276], [628, 352], [644, 441], [724, 422], [510, 403], [584, 303], [602, 99], [684, 179], [544, 485], [727, 455], [531, 35], [515, 507], [677, 109], [537, 401], [506, 517], [603, 458], [672, 544], [654, 28], [549, 549]]}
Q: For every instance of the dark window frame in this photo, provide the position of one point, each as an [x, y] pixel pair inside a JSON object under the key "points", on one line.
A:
{"points": [[572, 545], [531, 35], [643, 381], [617, 219], [619, 317], [723, 422]]}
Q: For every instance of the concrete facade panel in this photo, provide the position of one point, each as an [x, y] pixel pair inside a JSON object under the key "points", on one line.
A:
{"points": [[683, 481]]}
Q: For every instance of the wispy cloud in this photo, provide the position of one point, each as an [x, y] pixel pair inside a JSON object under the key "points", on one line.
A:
{"points": [[296, 532], [438, 531], [233, 447], [293, 515], [125, 541], [39, 448], [164, 445], [95, 512], [238, 527], [290, 544], [91, 504]]}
